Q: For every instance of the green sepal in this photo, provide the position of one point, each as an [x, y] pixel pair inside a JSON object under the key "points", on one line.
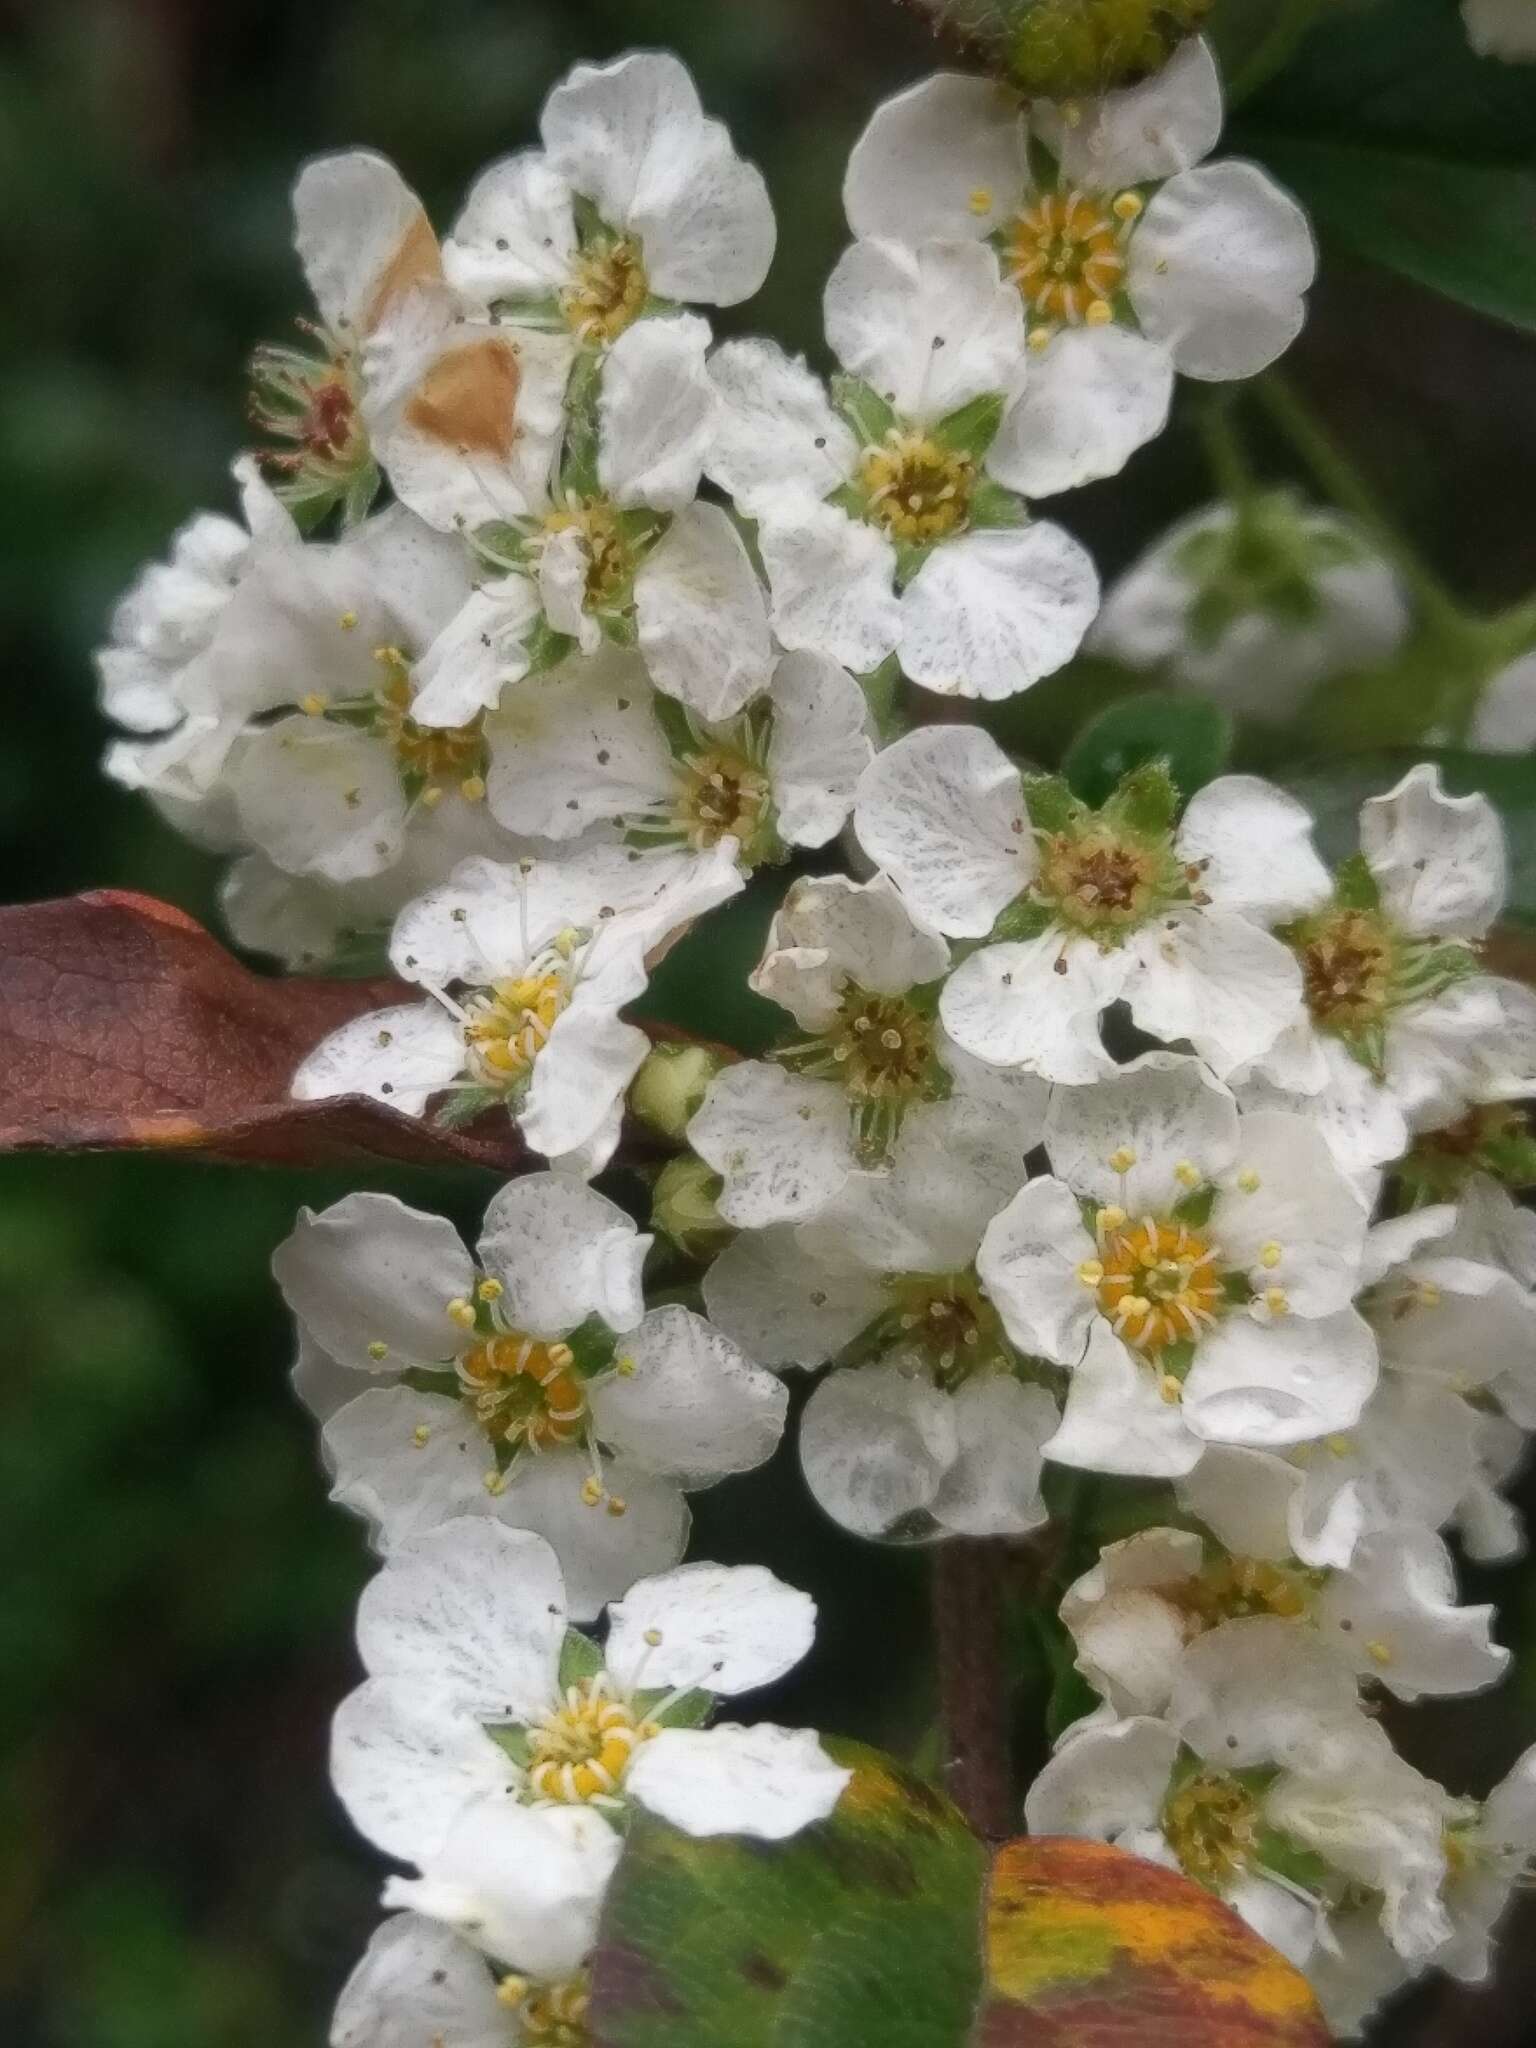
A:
{"points": [[1146, 800], [513, 1742], [500, 544], [464, 1105], [1283, 1856], [1044, 170], [691, 1711], [593, 1346], [422, 1379], [882, 693], [677, 727], [1175, 1360], [1195, 1207], [578, 466], [580, 1658], [870, 416], [994, 505], [1236, 1289], [539, 311], [546, 648], [972, 428], [619, 629], [1051, 805], [590, 225], [1023, 920], [1354, 886]]}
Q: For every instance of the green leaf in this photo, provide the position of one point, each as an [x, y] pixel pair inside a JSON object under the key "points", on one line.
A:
{"points": [[1190, 734], [1463, 230], [863, 1928], [861, 405], [973, 428], [701, 986], [1060, 49], [1334, 791]]}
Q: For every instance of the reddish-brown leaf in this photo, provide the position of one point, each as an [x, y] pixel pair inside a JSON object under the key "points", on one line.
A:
{"points": [[124, 1024], [1088, 1947]]}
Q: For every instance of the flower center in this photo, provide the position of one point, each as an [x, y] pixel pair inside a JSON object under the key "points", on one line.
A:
{"points": [[581, 1750], [523, 1391], [1236, 1587], [609, 564], [555, 2015], [607, 290], [506, 1025], [309, 402], [430, 759], [1347, 969], [1097, 881], [1212, 1825], [947, 1318], [1067, 258], [1158, 1282], [918, 490], [723, 795]]}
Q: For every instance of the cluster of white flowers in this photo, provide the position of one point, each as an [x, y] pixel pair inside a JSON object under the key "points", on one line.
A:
{"points": [[1127, 1139]]}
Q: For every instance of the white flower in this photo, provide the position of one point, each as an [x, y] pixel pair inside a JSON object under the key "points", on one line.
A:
{"points": [[1392, 1616], [1502, 28], [1263, 1753], [419, 1982], [1085, 908], [860, 978], [881, 530], [1504, 721], [1490, 1857], [1403, 1031], [528, 1385], [1130, 257], [637, 196], [932, 1432], [590, 746], [1254, 605], [476, 1688], [526, 968], [1193, 1270]]}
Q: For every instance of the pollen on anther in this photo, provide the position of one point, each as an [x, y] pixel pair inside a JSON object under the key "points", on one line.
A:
{"points": [[472, 789], [1090, 1272], [378, 1349], [1187, 1174], [980, 200], [653, 1637], [490, 1290], [421, 1436], [1248, 1181], [1123, 1160], [347, 621], [1275, 1301], [313, 705], [462, 1313], [1099, 313], [617, 1506], [1379, 1652], [591, 1492], [1271, 1254], [495, 1482], [1039, 338], [1128, 205]]}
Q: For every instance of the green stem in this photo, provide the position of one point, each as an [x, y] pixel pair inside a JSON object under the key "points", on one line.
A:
{"points": [[1342, 483], [1276, 48], [1225, 453]]}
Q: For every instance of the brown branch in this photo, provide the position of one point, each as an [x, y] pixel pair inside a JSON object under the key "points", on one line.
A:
{"points": [[968, 1581]]}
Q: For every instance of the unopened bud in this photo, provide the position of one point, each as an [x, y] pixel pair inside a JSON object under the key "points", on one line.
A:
{"points": [[670, 1087], [683, 1207]]}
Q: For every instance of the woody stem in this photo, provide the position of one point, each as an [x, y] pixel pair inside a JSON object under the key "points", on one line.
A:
{"points": [[968, 1576]]}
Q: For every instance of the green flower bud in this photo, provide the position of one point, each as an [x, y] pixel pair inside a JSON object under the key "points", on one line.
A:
{"points": [[670, 1087], [1067, 49], [683, 1208]]}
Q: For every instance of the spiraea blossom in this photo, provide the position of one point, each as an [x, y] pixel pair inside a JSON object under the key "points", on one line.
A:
{"points": [[528, 1384], [1079, 908], [478, 1689], [932, 1423], [1403, 1030], [860, 978], [526, 968], [591, 748], [1194, 1269], [1131, 257], [1254, 604], [883, 525]]}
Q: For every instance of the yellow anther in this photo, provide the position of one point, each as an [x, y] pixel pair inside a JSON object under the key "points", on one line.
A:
{"points": [[1091, 1272], [1071, 114], [495, 1483], [1428, 1294], [1271, 1254], [653, 1637], [1339, 1445], [378, 1349], [980, 200], [624, 1366], [1169, 1388], [432, 796], [1122, 1160], [490, 1290], [461, 1312], [1110, 1217], [1274, 1300], [313, 706], [512, 1991], [1128, 205], [472, 789], [1098, 313], [347, 621], [1187, 1174], [1039, 338], [421, 1436], [591, 1491], [616, 1506], [1248, 1181], [1379, 1652]]}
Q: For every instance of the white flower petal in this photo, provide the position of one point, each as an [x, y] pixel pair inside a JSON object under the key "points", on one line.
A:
{"points": [[1394, 1615], [656, 413], [560, 1253], [693, 1407], [1253, 844], [1093, 396], [1302, 1228], [989, 614], [516, 235], [942, 161], [362, 237], [1438, 860], [1213, 978], [831, 578], [776, 425], [1104, 1782], [419, 1982], [1218, 267], [1125, 1617], [576, 747], [400, 1057], [1246, 1499], [942, 812], [818, 748], [1028, 1263], [724, 1628], [1165, 1110], [473, 1611], [875, 1444], [702, 616], [1035, 1004], [1116, 1418], [583, 1068], [601, 1552], [404, 1763], [320, 799], [993, 1486], [1259, 1690], [930, 328], [369, 1270], [405, 1461], [483, 648], [1143, 132], [1505, 719], [1285, 1382], [562, 584], [770, 1295], [765, 1781], [830, 931], [781, 1143]]}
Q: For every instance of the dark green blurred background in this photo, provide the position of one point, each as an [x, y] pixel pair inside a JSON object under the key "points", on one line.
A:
{"points": [[176, 1593]]}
